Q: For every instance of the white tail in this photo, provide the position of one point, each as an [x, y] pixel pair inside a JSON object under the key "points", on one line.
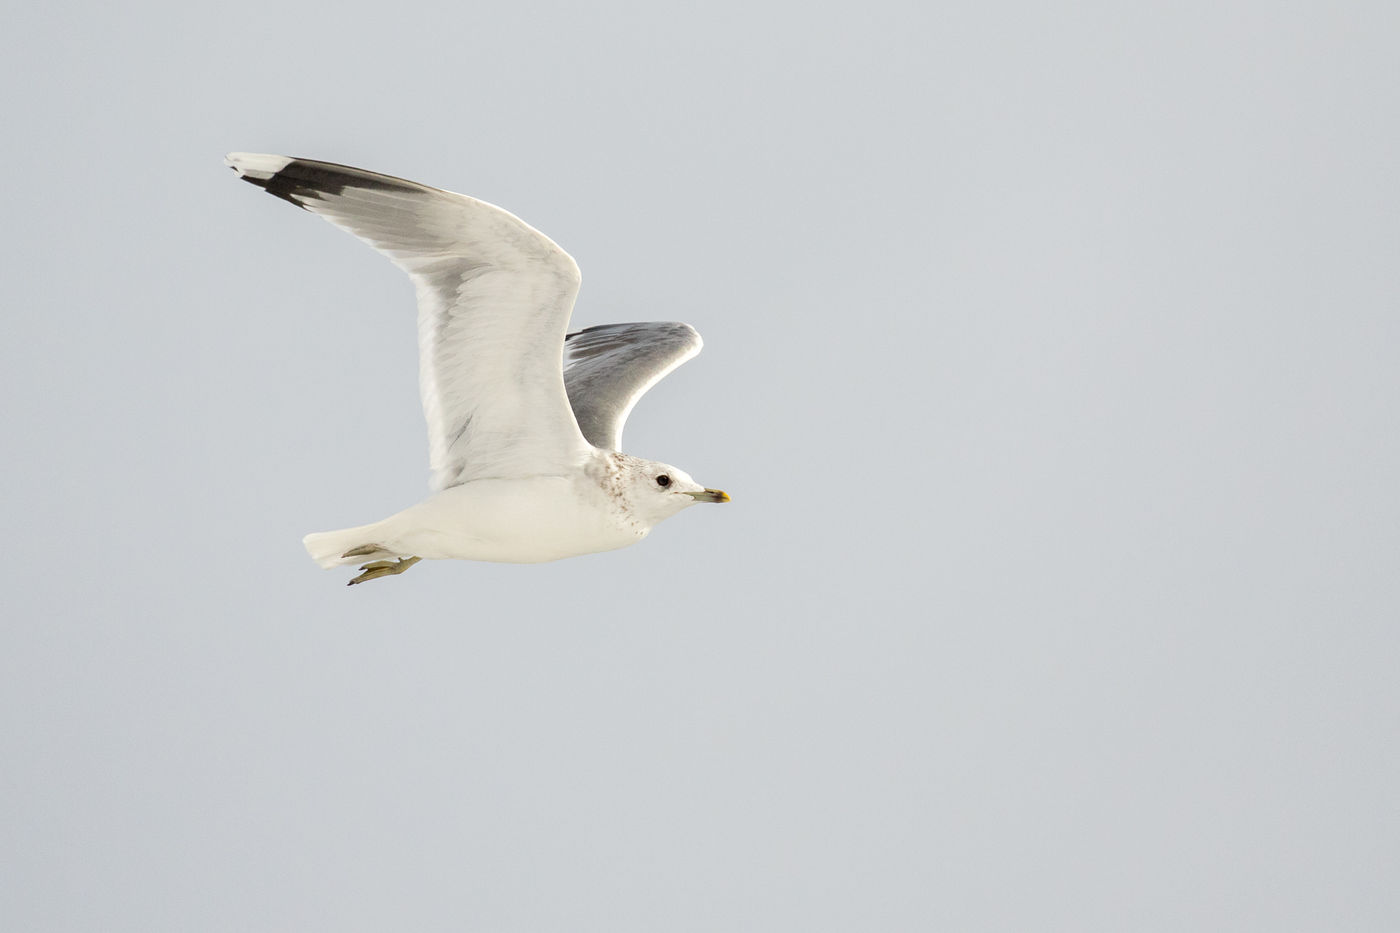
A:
{"points": [[328, 548]]}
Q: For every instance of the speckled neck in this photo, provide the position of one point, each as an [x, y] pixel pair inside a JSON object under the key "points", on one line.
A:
{"points": [[611, 470]]}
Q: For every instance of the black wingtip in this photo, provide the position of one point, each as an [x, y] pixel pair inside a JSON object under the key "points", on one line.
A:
{"points": [[282, 189]]}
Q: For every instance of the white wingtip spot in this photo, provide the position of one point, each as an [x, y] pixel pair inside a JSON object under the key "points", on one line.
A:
{"points": [[255, 164]]}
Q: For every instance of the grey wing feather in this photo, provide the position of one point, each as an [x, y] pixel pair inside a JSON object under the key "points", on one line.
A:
{"points": [[607, 368], [494, 299]]}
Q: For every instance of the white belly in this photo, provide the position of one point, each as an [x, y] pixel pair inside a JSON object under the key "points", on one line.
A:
{"points": [[511, 520]]}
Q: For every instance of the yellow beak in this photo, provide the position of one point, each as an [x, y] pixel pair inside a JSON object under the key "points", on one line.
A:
{"points": [[710, 495]]}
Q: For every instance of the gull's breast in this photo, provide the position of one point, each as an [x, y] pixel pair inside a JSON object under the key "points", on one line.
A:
{"points": [[526, 520]]}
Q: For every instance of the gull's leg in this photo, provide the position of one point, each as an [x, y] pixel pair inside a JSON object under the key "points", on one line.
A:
{"points": [[383, 568]]}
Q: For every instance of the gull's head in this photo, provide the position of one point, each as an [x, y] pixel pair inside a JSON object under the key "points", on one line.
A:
{"points": [[657, 491]]}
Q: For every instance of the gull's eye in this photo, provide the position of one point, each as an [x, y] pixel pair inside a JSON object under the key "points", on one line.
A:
{"points": [[663, 480]]}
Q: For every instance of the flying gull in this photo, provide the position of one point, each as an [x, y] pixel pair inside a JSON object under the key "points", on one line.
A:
{"points": [[524, 420]]}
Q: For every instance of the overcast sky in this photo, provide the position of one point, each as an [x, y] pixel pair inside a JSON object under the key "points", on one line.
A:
{"points": [[1050, 361]]}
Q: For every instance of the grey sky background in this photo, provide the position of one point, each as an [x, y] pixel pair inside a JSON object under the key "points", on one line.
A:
{"points": [[1051, 363]]}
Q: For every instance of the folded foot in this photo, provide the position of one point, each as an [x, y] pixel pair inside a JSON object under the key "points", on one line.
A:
{"points": [[383, 568]]}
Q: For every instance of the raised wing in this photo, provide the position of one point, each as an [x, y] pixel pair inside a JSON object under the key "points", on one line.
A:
{"points": [[606, 369], [494, 298]]}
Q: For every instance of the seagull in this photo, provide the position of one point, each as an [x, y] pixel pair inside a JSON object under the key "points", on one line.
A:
{"points": [[524, 419]]}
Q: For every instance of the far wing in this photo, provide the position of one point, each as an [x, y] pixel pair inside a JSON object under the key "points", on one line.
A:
{"points": [[494, 298], [606, 369]]}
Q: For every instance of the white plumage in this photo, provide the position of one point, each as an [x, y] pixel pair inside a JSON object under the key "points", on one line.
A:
{"points": [[525, 468]]}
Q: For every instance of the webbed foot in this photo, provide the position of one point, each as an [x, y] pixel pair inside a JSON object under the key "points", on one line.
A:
{"points": [[383, 568]]}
